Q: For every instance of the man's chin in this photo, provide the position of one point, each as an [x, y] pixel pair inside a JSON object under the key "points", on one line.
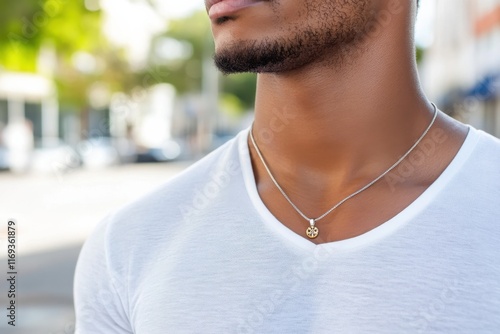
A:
{"points": [[253, 58], [228, 65], [232, 65]]}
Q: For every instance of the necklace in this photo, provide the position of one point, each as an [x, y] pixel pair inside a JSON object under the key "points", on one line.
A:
{"points": [[312, 231]]}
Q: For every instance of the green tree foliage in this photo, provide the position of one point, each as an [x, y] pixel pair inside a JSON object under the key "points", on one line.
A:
{"points": [[243, 86], [192, 35], [420, 54], [186, 74], [18, 52], [25, 26], [68, 28]]}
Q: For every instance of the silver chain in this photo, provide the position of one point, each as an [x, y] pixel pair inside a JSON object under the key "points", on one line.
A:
{"points": [[312, 220]]}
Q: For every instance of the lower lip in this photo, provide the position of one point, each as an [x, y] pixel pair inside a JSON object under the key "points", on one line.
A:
{"points": [[228, 7]]}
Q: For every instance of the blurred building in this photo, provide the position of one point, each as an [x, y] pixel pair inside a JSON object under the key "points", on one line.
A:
{"points": [[29, 97], [461, 70], [28, 117]]}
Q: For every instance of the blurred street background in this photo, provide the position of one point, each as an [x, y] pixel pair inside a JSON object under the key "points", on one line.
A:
{"points": [[103, 100]]}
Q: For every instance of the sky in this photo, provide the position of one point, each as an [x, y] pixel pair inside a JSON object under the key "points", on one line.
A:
{"points": [[131, 23]]}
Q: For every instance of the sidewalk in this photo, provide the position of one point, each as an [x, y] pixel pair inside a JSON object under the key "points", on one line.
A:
{"points": [[53, 211], [44, 298]]}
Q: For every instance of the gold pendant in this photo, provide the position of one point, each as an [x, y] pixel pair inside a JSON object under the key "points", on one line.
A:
{"points": [[312, 231]]}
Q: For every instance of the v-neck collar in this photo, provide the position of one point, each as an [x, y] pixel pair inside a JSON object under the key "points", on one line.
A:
{"points": [[377, 233]]}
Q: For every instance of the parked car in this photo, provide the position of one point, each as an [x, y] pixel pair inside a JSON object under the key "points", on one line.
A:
{"points": [[170, 150], [54, 156], [98, 152], [4, 158]]}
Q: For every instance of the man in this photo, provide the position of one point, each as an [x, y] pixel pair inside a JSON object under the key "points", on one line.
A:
{"points": [[352, 205]]}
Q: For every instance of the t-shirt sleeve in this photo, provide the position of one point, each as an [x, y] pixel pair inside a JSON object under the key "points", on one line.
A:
{"points": [[99, 296]]}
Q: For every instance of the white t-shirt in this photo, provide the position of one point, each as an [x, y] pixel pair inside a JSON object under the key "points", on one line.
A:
{"points": [[202, 254]]}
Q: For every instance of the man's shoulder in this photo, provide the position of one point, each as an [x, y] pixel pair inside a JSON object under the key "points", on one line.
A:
{"points": [[489, 142], [132, 234], [486, 156], [170, 201], [477, 180]]}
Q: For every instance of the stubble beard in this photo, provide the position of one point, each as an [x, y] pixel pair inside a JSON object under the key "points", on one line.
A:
{"points": [[333, 41]]}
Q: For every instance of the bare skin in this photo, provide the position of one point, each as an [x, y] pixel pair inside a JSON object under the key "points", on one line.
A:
{"points": [[342, 123]]}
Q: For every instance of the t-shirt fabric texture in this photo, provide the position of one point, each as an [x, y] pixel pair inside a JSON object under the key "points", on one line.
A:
{"points": [[203, 254]]}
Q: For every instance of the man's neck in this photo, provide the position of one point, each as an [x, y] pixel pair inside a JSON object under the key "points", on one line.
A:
{"points": [[327, 131], [346, 121], [326, 135]]}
